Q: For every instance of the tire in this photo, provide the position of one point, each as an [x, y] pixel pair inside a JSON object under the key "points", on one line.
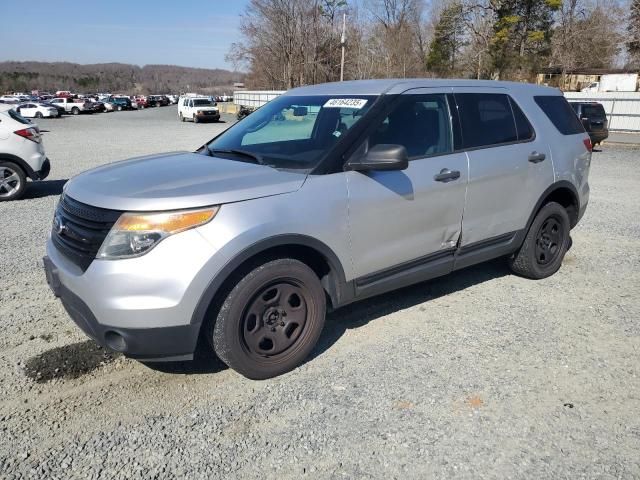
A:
{"points": [[75, 111], [195, 119], [119, 108], [545, 245], [13, 181], [39, 115], [289, 305], [182, 119]]}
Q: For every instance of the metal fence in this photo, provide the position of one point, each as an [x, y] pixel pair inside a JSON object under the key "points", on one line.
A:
{"points": [[254, 98], [622, 108]]}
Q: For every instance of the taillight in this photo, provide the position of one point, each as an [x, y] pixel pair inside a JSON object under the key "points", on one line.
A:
{"points": [[587, 144], [29, 133]]}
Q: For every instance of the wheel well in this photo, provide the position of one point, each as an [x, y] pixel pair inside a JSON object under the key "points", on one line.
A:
{"points": [[329, 278], [565, 197]]}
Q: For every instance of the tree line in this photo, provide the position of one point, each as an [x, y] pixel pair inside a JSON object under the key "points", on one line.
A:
{"points": [[113, 77], [287, 43]]}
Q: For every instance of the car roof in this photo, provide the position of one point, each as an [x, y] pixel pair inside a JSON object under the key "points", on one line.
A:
{"points": [[399, 85]]}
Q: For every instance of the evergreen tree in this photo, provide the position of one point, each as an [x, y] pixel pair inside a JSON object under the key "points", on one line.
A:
{"points": [[447, 41], [522, 36]]}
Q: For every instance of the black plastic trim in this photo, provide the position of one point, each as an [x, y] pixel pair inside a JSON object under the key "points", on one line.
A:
{"points": [[414, 271], [556, 186], [335, 285], [489, 249]]}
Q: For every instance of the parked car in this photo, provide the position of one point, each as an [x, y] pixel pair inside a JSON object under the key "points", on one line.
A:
{"points": [[141, 101], [59, 108], [9, 99], [63, 94], [109, 106], [73, 106], [121, 103], [157, 101], [36, 110], [197, 109], [22, 154], [594, 119], [326, 195]]}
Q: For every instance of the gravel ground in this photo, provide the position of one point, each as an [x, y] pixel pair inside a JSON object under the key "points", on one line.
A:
{"points": [[477, 375]]}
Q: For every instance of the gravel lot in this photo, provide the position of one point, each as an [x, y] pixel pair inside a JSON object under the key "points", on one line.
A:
{"points": [[478, 375]]}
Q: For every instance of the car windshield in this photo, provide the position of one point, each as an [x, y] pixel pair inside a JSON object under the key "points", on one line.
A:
{"points": [[292, 132], [202, 103]]}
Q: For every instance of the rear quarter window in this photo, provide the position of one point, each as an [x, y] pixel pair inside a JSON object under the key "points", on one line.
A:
{"points": [[558, 110]]}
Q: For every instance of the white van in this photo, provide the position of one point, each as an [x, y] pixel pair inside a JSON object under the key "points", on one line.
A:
{"points": [[197, 109]]}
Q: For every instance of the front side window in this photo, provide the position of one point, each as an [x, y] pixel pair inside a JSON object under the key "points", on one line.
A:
{"points": [[486, 119], [420, 123], [293, 132]]}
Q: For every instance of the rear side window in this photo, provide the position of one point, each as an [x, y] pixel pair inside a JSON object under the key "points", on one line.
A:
{"points": [[558, 110], [486, 119]]}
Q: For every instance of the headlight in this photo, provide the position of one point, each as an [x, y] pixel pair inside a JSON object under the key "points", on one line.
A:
{"points": [[134, 233]]}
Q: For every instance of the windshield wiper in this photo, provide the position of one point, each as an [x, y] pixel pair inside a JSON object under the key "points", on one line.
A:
{"points": [[257, 158]]}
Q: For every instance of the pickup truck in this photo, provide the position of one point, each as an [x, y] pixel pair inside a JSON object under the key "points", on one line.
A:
{"points": [[73, 106]]}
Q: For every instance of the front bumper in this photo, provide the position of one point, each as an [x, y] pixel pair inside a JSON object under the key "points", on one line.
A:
{"points": [[150, 344], [215, 116]]}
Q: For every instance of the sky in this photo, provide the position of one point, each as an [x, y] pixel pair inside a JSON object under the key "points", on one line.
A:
{"points": [[192, 33]]}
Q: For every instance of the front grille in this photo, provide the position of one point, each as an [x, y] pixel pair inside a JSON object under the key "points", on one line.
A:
{"points": [[79, 230]]}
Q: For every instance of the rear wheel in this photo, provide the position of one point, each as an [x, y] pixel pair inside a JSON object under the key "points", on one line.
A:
{"points": [[119, 108], [545, 245], [13, 181], [271, 320], [39, 115], [195, 118]]}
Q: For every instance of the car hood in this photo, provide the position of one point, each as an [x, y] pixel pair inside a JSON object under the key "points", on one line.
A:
{"points": [[178, 180]]}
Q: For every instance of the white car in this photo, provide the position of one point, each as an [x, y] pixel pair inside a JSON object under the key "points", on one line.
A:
{"points": [[9, 99], [36, 110], [197, 109], [21, 154]]}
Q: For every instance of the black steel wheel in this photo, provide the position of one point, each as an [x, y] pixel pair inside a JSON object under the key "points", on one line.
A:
{"points": [[271, 320], [545, 244]]}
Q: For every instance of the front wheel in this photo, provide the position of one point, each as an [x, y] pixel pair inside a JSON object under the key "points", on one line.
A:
{"points": [[545, 245], [195, 119], [271, 320], [75, 111]]}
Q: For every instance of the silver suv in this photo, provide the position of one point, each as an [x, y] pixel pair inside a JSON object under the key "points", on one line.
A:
{"points": [[326, 195]]}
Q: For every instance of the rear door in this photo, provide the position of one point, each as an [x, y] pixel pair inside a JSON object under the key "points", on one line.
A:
{"points": [[509, 166], [408, 222]]}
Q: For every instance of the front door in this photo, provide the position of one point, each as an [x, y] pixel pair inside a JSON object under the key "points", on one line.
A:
{"points": [[405, 222]]}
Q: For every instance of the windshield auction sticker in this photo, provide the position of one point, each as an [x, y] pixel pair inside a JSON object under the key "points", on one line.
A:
{"points": [[356, 103]]}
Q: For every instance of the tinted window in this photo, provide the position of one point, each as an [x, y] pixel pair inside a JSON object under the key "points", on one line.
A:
{"points": [[558, 110], [486, 119], [420, 123], [524, 129], [595, 110]]}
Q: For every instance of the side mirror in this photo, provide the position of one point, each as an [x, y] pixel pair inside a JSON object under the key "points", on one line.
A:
{"points": [[382, 157]]}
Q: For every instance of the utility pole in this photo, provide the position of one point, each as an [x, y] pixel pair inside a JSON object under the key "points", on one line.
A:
{"points": [[343, 40]]}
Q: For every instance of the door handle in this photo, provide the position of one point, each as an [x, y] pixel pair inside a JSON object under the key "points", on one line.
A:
{"points": [[446, 175], [535, 157]]}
